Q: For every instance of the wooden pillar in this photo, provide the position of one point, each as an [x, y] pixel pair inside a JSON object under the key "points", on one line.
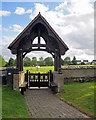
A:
{"points": [[56, 63], [19, 61], [59, 63]]}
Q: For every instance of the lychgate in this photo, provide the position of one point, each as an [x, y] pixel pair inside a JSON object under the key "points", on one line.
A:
{"points": [[24, 43]]}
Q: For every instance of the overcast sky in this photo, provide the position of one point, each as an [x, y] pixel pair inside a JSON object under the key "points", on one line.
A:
{"points": [[73, 20]]}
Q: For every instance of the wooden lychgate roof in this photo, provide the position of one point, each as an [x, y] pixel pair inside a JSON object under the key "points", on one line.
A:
{"points": [[25, 39]]}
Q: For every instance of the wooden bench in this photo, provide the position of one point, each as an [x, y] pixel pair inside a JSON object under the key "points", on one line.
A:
{"points": [[53, 87], [23, 87]]}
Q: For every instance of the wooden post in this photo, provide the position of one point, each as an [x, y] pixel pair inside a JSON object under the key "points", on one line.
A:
{"points": [[51, 76], [39, 80], [18, 60], [56, 65], [26, 76], [59, 63], [21, 62], [29, 80]]}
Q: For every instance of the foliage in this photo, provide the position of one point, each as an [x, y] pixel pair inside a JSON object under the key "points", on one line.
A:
{"points": [[41, 61], [82, 63], [48, 61], [2, 61], [67, 61], [11, 62], [62, 61], [13, 104], [27, 61], [74, 61], [34, 61], [80, 95]]}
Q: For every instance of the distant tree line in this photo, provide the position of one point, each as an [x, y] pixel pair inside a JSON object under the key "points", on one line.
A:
{"points": [[67, 61], [28, 62], [41, 62]]}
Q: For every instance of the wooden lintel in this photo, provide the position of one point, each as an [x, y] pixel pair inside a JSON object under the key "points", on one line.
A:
{"points": [[40, 45]]}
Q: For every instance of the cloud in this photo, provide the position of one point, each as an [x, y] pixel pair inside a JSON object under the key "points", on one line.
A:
{"points": [[16, 28], [21, 10], [40, 8], [75, 27], [6, 53], [3, 29], [29, 11], [4, 43], [6, 40], [4, 13], [0, 27], [38, 54], [62, 6], [80, 7], [80, 54]]}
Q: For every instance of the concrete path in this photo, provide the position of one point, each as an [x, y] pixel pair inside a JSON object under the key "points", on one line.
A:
{"points": [[41, 103]]}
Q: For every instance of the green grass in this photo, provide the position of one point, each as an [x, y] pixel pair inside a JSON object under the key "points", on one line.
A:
{"points": [[77, 66], [13, 104], [80, 95], [43, 69]]}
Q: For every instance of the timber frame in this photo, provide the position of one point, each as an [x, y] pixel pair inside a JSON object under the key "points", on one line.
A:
{"points": [[38, 27]]}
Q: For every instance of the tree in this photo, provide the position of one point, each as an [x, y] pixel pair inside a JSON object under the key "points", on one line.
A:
{"points": [[2, 61], [27, 61], [62, 61], [74, 61], [11, 62], [48, 61], [67, 61], [82, 63], [34, 61], [41, 61]]}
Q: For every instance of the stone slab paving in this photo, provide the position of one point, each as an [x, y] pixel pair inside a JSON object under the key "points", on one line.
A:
{"points": [[42, 103]]}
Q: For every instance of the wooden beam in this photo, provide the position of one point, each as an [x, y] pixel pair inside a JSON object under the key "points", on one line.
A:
{"points": [[38, 39], [47, 50], [41, 45]]}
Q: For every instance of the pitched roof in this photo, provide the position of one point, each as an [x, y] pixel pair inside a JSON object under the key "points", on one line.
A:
{"points": [[39, 15]]}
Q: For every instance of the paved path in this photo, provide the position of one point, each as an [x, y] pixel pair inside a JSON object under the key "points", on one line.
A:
{"points": [[41, 103]]}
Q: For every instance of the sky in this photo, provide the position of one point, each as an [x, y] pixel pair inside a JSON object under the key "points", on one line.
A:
{"points": [[73, 21]]}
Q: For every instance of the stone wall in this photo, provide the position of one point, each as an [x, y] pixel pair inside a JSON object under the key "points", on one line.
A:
{"points": [[58, 80], [71, 74]]}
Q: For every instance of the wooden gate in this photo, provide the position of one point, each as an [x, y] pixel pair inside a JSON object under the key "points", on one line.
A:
{"points": [[38, 79]]}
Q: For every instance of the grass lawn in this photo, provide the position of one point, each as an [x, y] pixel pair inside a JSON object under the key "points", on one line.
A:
{"points": [[13, 104], [77, 66], [43, 69], [80, 95]]}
